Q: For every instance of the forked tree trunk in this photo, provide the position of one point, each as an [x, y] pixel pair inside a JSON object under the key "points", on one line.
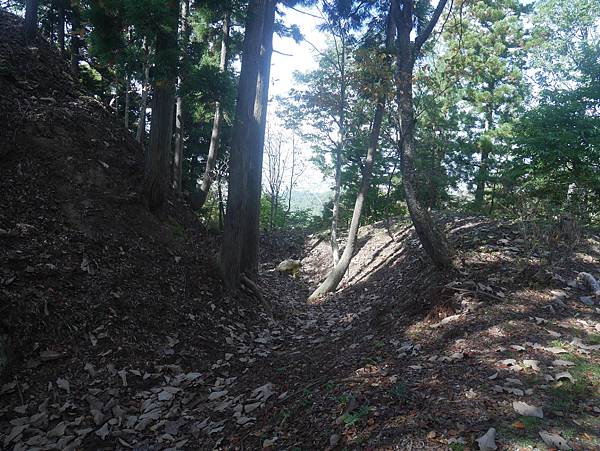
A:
{"points": [[249, 264], [244, 126], [433, 241], [213, 149], [179, 123], [31, 12], [156, 174], [141, 128]]}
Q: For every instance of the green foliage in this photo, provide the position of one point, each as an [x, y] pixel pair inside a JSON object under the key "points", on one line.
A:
{"points": [[351, 418]]}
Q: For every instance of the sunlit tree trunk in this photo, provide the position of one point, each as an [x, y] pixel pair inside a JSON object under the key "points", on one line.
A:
{"points": [[252, 218], [484, 162], [337, 273], [141, 128], [235, 226]]}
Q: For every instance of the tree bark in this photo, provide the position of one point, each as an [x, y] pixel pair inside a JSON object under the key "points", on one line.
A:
{"points": [[337, 273], [179, 123], [60, 10], [213, 149], [251, 243], [31, 23], [141, 128], [244, 125], [75, 40], [483, 172], [433, 241], [127, 101], [335, 217], [156, 174]]}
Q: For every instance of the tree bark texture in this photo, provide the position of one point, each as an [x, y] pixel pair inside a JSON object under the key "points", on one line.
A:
{"points": [[244, 127], [433, 241], [155, 186], [254, 192], [31, 23]]}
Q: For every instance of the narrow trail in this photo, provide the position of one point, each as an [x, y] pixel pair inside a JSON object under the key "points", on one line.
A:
{"points": [[382, 364]]}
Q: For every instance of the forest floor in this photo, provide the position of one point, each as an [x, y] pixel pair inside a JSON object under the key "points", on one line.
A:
{"points": [[120, 337]]}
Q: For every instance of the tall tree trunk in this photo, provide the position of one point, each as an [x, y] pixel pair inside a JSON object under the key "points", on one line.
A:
{"points": [[179, 124], [335, 217], [251, 243], [433, 241], [213, 149], [141, 128], [75, 39], [293, 169], [235, 232], [156, 174], [60, 10], [337, 273], [220, 199], [483, 173], [31, 11], [127, 101]]}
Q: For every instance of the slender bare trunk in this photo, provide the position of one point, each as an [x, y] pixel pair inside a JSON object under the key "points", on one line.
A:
{"points": [[60, 10], [221, 203], [127, 101], [483, 172], [337, 273], [213, 149], [75, 39], [178, 154], [141, 128], [179, 122]]}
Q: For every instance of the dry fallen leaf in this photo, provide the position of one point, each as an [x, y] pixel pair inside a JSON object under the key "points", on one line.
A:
{"points": [[487, 442], [63, 384], [525, 409], [554, 441]]}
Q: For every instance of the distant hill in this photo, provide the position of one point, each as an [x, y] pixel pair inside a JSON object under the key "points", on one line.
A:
{"points": [[308, 200]]}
